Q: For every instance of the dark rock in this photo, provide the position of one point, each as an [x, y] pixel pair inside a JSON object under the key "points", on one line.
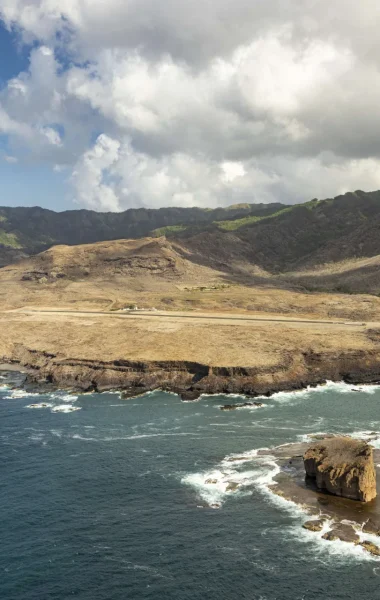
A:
{"points": [[323, 501], [342, 532], [189, 395], [241, 405], [315, 525], [134, 393], [371, 548], [372, 526]]}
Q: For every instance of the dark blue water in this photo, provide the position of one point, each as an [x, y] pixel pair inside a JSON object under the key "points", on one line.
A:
{"points": [[110, 502]]}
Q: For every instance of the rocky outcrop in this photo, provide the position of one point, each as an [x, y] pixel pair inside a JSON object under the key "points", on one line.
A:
{"points": [[242, 405], [314, 525], [342, 532], [331, 517], [344, 467], [372, 527], [192, 379], [371, 548]]}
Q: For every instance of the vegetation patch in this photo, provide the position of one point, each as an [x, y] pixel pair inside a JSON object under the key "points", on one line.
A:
{"points": [[9, 240], [238, 223], [169, 230]]}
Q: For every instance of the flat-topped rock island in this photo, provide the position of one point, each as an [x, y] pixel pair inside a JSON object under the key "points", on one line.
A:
{"points": [[334, 480], [342, 466]]}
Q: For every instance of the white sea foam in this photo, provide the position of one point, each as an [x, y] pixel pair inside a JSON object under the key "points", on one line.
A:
{"points": [[242, 396], [37, 437], [140, 436], [370, 436], [40, 405], [64, 408], [323, 550], [64, 397], [77, 436], [330, 386], [20, 394], [212, 486]]}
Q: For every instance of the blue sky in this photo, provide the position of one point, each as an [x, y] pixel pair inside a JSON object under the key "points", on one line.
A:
{"points": [[14, 56], [33, 185], [26, 184], [112, 105]]}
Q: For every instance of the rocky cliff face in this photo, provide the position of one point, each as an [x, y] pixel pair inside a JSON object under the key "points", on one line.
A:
{"points": [[191, 379], [344, 467]]}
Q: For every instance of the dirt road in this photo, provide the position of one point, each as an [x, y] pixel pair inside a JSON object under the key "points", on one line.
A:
{"points": [[235, 318]]}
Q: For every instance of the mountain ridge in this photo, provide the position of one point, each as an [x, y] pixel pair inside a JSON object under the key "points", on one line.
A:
{"points": [[26, 231], [321, 245]]}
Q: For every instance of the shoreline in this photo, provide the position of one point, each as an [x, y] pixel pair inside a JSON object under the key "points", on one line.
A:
{"points": [[190, 380]]}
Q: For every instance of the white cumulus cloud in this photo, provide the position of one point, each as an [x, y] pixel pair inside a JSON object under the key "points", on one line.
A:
{"points": [[197, 102]]}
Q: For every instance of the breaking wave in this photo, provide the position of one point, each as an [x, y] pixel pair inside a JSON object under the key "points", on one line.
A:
{"points": [[65, 408], [339, 387]]}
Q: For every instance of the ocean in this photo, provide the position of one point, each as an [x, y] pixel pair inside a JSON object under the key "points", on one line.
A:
{"points": [[106, 499]]}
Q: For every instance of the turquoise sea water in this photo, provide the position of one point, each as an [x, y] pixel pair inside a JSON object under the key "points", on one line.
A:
{"points": [[109, 502]]}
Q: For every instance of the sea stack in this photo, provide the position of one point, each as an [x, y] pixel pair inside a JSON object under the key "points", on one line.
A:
{"points": [[342, 466]]}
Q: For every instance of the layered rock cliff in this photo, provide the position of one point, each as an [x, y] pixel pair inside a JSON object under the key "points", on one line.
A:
{"points": [[191, 379], [344, 467]]}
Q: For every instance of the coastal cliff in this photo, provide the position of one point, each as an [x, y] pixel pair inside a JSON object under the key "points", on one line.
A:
{"points": [[191, 379]]}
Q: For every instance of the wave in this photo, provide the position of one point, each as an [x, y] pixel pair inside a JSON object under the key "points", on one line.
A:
{"points": [[243, 396], [65, 408], [64, 397], [215, 486], [330, 386], [40, 405], [324, 550], [20, 394], [370, 436], [139, 436]]}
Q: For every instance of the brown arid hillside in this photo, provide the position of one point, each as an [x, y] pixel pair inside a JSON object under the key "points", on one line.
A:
{"points": [[243, 239], [165, 274], [351, 276]]}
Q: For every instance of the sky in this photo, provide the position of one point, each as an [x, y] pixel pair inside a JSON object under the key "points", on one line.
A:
{"points": [[113, 104]]}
